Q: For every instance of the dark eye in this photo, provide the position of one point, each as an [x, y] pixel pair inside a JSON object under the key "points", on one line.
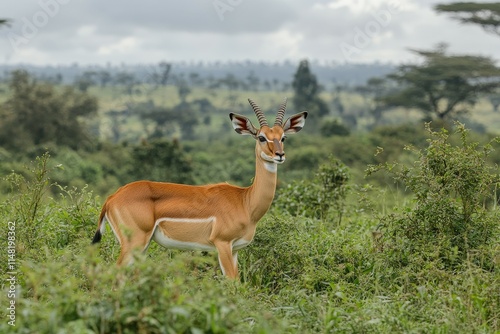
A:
{"points": [[262, 139], [283, 139]]}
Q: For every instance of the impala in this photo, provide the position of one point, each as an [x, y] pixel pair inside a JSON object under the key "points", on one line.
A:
{"points": [[218, 217]]}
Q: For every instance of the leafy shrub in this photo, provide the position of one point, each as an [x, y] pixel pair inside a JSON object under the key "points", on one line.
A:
{"points": [[452, 185], [24, 206], [322, 197], [79, 293], [302, 253], [42, 220]]}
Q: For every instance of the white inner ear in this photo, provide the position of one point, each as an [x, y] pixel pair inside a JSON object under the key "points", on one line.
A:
{"points": [[300, 121], [248, 129]]}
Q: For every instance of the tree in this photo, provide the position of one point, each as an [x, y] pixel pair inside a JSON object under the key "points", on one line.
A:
{"points": [[104, 78], [443, 85], [161, 160], [182, 88], [128, 80], [164, 119], [37, 113], [187, 120], [306, 93], [487, 15], [165, 69], [85, 80]]}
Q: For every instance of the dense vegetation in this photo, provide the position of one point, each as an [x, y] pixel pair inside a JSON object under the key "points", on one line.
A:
{"points": [[412, 246], [429, 265]]}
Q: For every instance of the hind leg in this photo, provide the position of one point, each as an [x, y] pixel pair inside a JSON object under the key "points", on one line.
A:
{"points": [[138, 241], [133, 232]]}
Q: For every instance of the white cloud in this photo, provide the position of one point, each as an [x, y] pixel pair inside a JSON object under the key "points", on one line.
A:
{"points": [[123, 45], [94, 31]]}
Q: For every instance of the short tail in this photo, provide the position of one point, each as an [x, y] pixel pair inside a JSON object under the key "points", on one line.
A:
{"points": [[100, 225], [97, 237]]}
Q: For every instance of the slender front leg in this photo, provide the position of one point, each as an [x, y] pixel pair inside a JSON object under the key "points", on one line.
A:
{"points": [[227, 259]]}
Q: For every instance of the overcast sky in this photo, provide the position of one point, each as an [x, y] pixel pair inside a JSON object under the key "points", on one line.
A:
{"points": [[148, 31]]}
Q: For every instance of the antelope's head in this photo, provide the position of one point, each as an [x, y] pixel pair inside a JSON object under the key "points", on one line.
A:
{"points": [[270, 146]]}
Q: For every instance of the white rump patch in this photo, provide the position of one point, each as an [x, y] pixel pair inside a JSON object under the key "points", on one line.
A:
{"points": [[103, 228]]}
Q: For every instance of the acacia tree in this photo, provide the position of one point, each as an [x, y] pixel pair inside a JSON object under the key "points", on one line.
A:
{"points": [[487, 15], [443, 85]]}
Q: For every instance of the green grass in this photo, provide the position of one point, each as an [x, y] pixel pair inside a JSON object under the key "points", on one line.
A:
{"points": [[300, 275]]}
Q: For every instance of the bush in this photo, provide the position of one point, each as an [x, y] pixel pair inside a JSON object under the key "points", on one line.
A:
{"points": [[79, 293], [453, 187], [322, 197], [301, 253]]}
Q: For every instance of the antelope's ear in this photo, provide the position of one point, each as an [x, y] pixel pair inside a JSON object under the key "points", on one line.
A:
{"points": [[295, 123], [242, 125]]}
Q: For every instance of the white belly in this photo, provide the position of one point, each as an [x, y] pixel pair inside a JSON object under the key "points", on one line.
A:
{"points": [[198, 233], [167, 242], [240, 243]]}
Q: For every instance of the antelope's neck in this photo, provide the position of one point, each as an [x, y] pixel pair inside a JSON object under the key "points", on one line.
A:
{"points": [[261, 192]]}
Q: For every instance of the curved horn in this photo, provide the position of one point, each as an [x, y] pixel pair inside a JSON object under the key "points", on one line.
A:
{"points": [[258, 113], [281, 114]]}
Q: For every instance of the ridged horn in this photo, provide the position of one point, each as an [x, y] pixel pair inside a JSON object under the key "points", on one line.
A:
{"points": [[258, 112], [281, 114]]}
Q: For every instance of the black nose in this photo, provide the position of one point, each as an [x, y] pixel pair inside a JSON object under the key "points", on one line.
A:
{"points": [[280, 154]]}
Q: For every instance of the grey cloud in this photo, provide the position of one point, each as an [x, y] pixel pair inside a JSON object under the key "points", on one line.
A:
{"points": [[151, 30]]}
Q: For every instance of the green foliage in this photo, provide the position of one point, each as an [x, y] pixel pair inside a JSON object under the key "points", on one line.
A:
{"points": [[42, 220], [25, 204], [322, 197], [81, 294], [338, 280], [36, 113], [304, 254], [300, 275], [334, 128], [161, 160], [453, 186]]}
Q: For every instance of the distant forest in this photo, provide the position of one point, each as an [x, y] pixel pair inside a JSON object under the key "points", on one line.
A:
{"points": [[258, 74]]}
